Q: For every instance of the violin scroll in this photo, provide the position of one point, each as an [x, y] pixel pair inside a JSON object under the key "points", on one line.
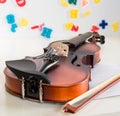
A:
{"points": [[97, 38]]}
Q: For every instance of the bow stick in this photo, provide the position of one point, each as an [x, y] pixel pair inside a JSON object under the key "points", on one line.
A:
{"points": [[82, 100]]}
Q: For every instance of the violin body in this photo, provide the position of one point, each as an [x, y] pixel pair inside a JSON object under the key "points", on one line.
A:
{"points": [[69, 77]]}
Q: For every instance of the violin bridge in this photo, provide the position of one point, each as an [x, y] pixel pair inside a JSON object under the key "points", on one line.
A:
{"points": [[60, 49]]}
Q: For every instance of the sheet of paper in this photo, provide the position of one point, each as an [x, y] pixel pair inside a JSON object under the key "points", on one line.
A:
{"points": [[102, 72]]}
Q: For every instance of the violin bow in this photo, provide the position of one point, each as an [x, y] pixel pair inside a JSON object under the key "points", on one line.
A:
{"points": [[79, 102]]}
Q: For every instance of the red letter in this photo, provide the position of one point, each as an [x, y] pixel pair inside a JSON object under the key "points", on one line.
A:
{"points": [[75, 28], [2, 1], [21, 3]]}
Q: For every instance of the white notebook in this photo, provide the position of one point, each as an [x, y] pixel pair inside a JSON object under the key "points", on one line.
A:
{"points": [[102, 72]]}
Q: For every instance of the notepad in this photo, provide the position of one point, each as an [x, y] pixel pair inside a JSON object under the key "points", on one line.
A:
{"points": [[102, 72]]}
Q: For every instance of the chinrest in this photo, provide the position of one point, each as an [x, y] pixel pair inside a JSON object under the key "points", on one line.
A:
{"points": [[26, 68]]}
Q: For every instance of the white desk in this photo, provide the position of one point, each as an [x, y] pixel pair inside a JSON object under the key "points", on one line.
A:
{"points": [[14, 106]]}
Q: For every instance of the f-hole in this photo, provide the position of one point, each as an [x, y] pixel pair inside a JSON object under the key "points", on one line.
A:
{"points": [[74, 61], [88, 60]]}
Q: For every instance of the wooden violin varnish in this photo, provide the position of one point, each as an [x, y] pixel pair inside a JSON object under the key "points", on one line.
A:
{"points": [[60, 74]]}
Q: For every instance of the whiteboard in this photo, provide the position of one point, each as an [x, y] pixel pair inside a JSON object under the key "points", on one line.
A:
{"points": [[29, 42]]}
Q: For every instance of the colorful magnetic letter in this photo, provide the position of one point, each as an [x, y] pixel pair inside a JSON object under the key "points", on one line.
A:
{"points": [[69, 26], [41, 26], [2, 1], [10, 18], [23, 22], [72, 2], [64, 3], [87, 13], [75, 28], [94, 28], [103, 24], [97, 1], [35, 27], [21, 3], [46, 32], [13, 27], [84, 3], [115, 26], [74, 13]]}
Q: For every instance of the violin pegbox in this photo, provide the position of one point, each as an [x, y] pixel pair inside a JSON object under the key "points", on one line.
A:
{"points": [[60, 49], [97, 38]]}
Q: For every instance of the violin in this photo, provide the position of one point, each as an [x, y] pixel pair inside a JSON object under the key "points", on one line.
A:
{"points": [[60, 74]]}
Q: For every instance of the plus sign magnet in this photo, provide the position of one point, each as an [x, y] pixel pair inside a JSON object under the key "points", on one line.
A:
{"points": [[103, 24]]}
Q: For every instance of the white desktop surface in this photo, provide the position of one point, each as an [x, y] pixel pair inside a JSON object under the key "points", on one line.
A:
{"points": [[13, 106]]}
